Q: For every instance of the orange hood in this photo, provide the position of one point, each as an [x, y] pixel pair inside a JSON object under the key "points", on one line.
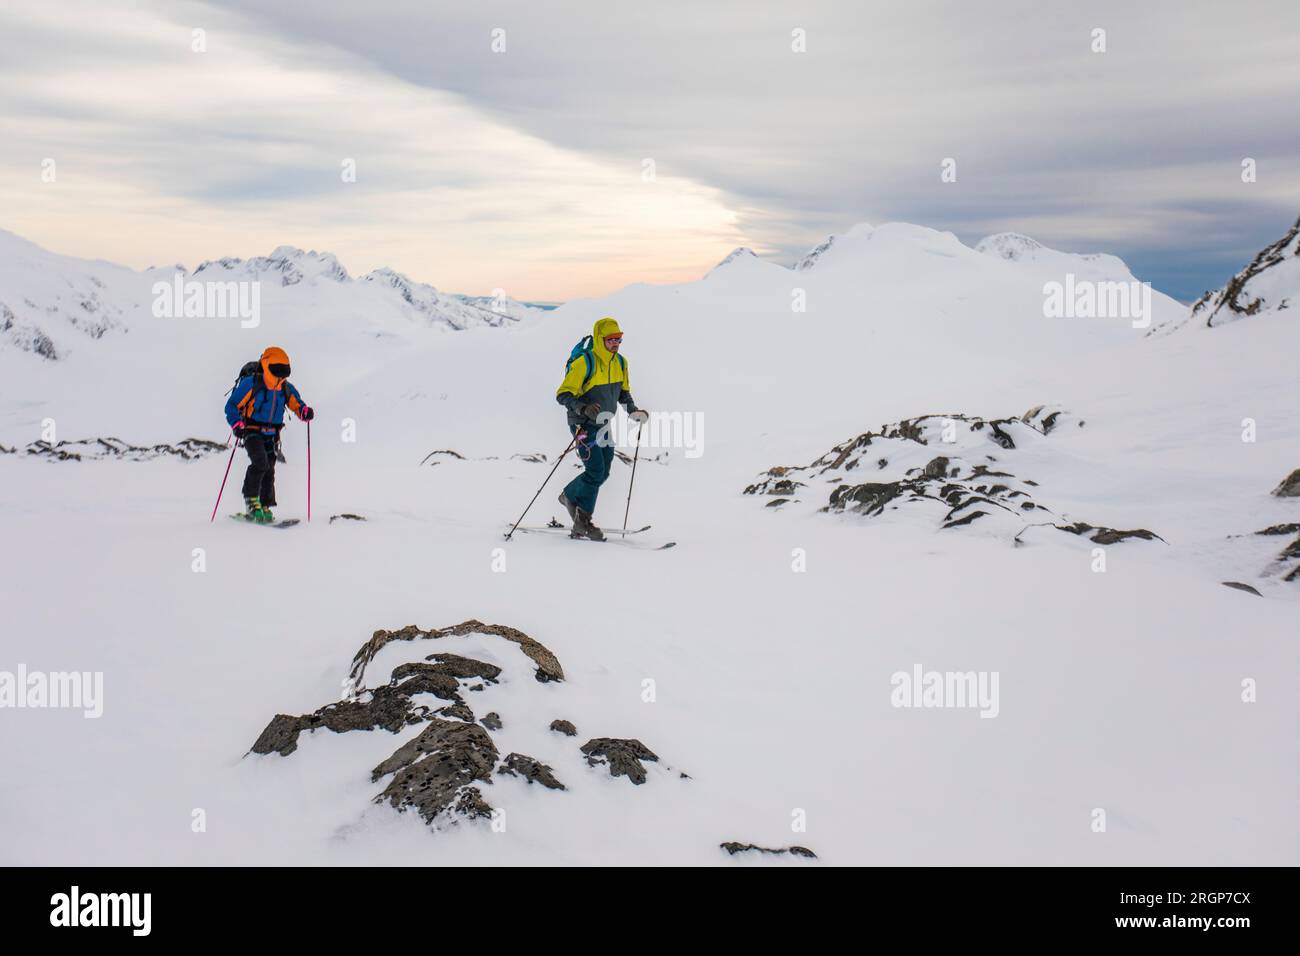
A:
{"points": [[273, 356]]}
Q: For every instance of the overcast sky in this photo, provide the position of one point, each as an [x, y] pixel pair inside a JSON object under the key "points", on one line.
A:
{"points": [[524, 169]]}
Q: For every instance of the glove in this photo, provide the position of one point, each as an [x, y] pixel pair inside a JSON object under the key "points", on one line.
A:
{"points": [[238, 429], [640, 416], [306, 413], [591, 410]]}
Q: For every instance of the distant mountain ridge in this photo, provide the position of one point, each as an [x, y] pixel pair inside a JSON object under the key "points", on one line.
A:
{"points": [[888, 239], [48, 302]]}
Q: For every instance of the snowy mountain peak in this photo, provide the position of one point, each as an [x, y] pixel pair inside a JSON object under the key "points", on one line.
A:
{"points": [[292, 264], [50, 304], [861, 230], [740, 252], [1019, 248], [437, 306], [1009, 245], [810, 258], [1269, 283]]}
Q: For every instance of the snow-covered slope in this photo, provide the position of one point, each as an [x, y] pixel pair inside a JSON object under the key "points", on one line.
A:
{"points": [[765, 633], [50, 303]]}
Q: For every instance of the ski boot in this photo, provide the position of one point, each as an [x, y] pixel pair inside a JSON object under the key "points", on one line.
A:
{"points": [[254, 511], [570, 507], [583, 528]]}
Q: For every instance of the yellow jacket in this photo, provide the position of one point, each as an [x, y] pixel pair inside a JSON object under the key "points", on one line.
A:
{"points": [[607, 386]]}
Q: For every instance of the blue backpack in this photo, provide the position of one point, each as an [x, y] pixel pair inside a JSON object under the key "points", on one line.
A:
{"points": [[584, 348]]}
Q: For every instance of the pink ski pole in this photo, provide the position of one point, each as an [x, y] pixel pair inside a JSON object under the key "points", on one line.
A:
{"points": [[223, 482], [309, 469]]}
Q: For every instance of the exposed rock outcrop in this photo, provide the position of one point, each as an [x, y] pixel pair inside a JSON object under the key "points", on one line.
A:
{"points": [[187, 449], [548, 666], [442, 771], [533, 771], [623, 757], [964, 485], [1284, 565], [734, 848], [1290, 486], [1238, 586], [433, 773], [25, 336], [1269, 282]]}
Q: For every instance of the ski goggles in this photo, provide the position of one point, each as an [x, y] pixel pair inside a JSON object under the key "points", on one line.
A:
{"points": [[278, 370], [615, 339]]}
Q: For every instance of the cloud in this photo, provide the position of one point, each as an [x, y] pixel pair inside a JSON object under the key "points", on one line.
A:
{"points": [[1047, 133], [165, 154]]}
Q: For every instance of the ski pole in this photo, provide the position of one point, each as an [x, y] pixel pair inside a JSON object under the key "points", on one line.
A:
{"points": [[635, 456], [545, 483], [222, 490], [309, 469]]}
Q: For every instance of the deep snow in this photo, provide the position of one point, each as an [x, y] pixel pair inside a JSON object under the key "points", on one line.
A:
{"points": [[1118, 690]]}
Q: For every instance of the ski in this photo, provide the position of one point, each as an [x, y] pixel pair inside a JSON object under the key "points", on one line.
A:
{"points": [[554, 525], [284, 523], [611, 537]]}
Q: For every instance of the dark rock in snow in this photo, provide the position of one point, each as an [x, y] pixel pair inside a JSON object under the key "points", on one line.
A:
{"points": [[548, 666], [390, 706], [870, 498], [734, 848], [951, 480], [937, 468], [426, 679], [385, 707], [440, 771], [622, 756], [1108, 535], [1243, 296], [460, 710], [1241, 587], [1290, 486], [966, 520], [187, 449], [1281, 529], [25, 336], [442, 451], [432, 773], [534, 771], [280, 736], [462, 667]]}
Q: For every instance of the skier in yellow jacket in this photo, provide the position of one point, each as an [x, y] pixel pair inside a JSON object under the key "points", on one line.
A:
{"points": [[595, 384]]}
